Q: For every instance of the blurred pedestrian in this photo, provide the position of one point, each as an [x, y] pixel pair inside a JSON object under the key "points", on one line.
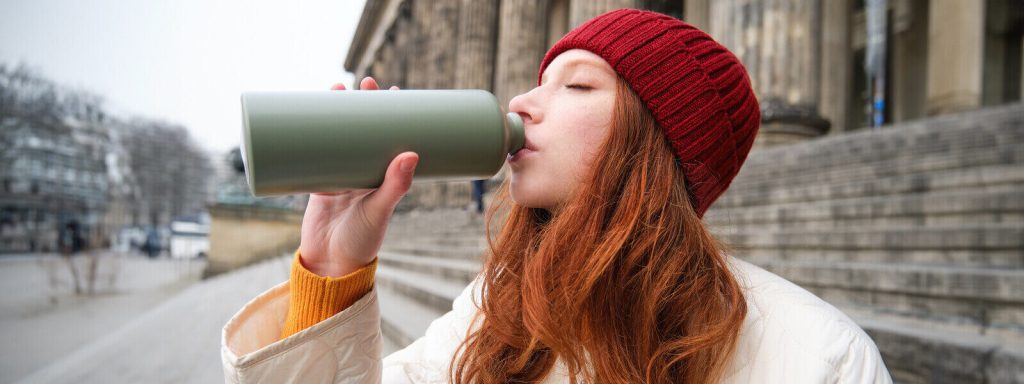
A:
{"points": [[478, 194], [151, 246]]}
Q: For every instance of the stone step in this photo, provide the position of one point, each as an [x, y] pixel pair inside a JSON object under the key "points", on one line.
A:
{"points": [[997, 285], [955, 329], [403, 319], [990, 298], [435, 221], [470, 239], [995, 131], [429, 290], [998, 205], [870, 171], [983, 179], [889, 151], [463, 271], [909, 163], [977, 237], [467, 236], [982, 258], [388, 346], [828, 166], [463, 239], [426, 248], [917, 354]]}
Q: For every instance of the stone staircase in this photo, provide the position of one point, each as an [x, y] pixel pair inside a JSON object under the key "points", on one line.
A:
{"points": [[915, 230], [427, 259]]}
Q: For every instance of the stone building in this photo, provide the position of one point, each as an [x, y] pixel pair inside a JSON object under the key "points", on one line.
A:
{"points": [[914, 227], [805, 58], [54, 172], [63, 160]]}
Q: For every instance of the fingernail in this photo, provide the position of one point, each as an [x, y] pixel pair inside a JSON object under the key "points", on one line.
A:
{"points": [[406, 165]]}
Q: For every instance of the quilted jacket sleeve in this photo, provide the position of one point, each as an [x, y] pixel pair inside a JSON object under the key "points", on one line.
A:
{"points": [[345, 348]]}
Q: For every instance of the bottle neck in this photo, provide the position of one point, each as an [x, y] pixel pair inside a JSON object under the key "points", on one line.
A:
{"points": [[515, 136]]}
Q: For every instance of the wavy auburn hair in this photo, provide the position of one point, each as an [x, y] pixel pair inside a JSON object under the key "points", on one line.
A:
{"points": [[623, 284]]}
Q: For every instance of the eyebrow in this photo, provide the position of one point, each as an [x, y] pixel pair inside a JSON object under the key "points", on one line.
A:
{"points": [[571, 64]]}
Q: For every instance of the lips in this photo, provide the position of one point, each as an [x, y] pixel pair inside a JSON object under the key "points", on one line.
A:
{"points": [[527, 149]]}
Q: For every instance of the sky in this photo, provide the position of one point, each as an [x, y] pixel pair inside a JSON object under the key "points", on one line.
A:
{"points": [[182, 61]]}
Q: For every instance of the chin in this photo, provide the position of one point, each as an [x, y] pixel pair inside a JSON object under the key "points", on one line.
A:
{"points": [[529, 195]]}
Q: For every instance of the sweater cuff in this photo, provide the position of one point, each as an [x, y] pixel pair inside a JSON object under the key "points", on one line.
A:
{"points": [[316, 298]]}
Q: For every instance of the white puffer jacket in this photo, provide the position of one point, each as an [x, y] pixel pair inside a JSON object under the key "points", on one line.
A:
{"points": [[788, 336]]}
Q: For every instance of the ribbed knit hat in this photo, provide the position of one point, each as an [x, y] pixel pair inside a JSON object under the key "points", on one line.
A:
{"points": [[696, 89]]}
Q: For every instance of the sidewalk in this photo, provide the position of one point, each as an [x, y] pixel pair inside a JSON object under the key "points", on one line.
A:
{"points": [[41, 319], [178, 341]]}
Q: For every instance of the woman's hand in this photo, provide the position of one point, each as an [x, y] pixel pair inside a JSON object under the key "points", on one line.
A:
{"points": [[342, 231]]}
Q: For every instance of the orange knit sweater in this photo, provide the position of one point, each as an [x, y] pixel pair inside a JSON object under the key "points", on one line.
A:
{"points": [[315, 298]]}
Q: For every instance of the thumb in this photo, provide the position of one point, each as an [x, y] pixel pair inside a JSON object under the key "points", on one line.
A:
{"points": [[397, 181]]}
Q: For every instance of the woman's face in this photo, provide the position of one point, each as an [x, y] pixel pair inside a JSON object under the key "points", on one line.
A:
{"points": [[566, 119]]}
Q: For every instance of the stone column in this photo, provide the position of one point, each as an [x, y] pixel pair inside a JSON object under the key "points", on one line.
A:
{"points": [[419, 25], [737, 24], [955, 50], [558, 20], [582, 10], [909, 56], [432, 52], [399, 36], [474, 66], [779, 43], [698, 13], [522, 38], [836, 62], [789, 74], [432, 49]]}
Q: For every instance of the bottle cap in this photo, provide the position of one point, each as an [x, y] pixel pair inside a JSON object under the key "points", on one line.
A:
{"points": [[515, 136]]}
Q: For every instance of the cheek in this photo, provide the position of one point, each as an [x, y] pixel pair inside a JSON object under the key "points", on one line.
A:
{"points": [[569, 154], [587, 140]]}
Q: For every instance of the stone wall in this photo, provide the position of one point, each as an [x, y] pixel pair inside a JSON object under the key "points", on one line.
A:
{"points": [[244, 234]]}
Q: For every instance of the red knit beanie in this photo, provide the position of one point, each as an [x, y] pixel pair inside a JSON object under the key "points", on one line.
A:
{"points": [[694, 87]]}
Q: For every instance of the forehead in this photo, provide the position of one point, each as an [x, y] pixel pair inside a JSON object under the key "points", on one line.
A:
{"points": [[577, 59]]}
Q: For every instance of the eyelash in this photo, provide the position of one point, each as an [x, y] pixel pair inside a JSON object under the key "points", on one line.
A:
{"points": [[577, 86]]}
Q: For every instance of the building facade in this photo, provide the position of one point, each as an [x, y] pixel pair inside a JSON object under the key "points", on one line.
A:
{"points": [[805, 58], [54, 172]]}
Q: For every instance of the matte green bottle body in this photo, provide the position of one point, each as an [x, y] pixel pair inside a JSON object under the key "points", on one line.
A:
{"points": [[319, 141]]}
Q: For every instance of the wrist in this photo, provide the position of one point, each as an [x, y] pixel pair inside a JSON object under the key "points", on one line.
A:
{"points": [[327, 268]]}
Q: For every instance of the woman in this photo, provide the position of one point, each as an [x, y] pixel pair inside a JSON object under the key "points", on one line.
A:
{"points": [[603, 270]]}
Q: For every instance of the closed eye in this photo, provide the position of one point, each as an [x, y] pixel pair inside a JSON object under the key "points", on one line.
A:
{"points": [[577, 86]]}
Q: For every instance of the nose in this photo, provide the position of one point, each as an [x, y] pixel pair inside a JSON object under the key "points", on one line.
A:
{"points": [[525, 106]]}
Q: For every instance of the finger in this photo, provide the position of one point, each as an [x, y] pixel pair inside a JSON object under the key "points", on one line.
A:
{"points": [[368, 84], [393, 88], [342, 192], [397, 181], [338, 87]]}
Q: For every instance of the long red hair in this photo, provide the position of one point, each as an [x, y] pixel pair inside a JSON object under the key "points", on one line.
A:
{"points": [[623, 284]]}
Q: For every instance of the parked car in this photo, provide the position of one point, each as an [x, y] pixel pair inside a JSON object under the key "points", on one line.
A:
{"points": [[189, 239]]}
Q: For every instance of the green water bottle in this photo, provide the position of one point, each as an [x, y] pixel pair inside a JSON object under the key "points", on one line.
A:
{"points": [[322, 141]]}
